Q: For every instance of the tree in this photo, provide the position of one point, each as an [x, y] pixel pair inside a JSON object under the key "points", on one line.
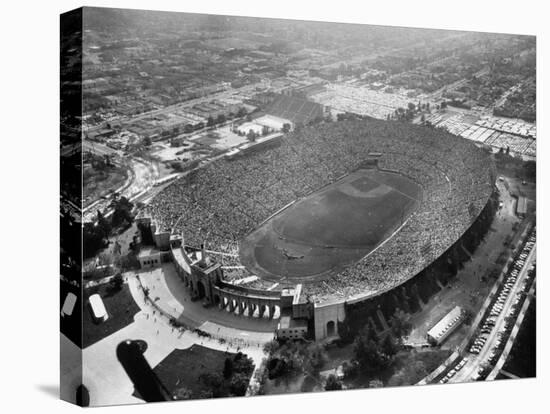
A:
{"points": [[122, 212], [117, 248], [316, 357], [368, 352], [242, 112], [228, 368], [389, 347], [530, 170], [333, 384], [147, 141], [400, 324], [242, 364], [239, 384], [103, 224], [220, 119], [215, 383], [350, 369], [117, 281], [410, 374], [182, 394], [292, 358], [251, 136], [93, 239], [271, 347], [376, 383], [210, 122], [286, 127]]}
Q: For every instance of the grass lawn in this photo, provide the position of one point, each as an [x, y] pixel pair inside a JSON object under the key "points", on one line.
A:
{"points": [[184, 369], [120, 306]]}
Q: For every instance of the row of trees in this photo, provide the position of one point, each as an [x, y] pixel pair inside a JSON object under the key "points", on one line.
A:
{"points": [[372, 354], [287, 359]]}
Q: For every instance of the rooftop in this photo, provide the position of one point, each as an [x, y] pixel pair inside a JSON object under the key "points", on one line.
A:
{"points": [[287, 322]]}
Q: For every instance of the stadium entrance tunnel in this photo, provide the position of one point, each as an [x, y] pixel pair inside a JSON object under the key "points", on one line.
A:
{"points": [[319, 234], [331, 328], [201, 290]]}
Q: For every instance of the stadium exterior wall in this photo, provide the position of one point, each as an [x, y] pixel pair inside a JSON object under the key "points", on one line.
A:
{"points": [[326, 315]]}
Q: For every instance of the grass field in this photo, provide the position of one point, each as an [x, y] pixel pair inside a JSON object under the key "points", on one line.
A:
{"points": [[185, 369], [335, 226]]}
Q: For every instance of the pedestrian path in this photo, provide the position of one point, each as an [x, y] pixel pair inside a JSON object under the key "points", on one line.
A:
{"points": [[104, 376]]}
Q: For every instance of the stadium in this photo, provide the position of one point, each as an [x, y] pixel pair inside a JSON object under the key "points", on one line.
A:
{"points": [[345, 210]]}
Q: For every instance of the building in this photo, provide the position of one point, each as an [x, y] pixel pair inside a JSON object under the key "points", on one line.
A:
{"points": [[154, 243], [326, 318], [274, 123], [149, 257], [290, 328], [521, 207], [446, 326], [301, 308], [250, 126]]}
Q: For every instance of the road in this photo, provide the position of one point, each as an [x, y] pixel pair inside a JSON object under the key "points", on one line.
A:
{"points": [[144, 174], [97, 148], [475, 362]]}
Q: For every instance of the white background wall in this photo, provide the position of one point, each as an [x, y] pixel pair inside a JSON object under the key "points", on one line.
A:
{"points": [[29, 137]]}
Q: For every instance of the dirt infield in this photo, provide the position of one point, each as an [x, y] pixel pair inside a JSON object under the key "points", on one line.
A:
{"points": [[332, 227]]}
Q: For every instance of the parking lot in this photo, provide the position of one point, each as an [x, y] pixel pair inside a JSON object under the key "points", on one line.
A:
{"points": [[487, 345]]}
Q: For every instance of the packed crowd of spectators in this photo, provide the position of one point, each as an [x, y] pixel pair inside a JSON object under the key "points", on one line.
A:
{"points": [[221, 203]]}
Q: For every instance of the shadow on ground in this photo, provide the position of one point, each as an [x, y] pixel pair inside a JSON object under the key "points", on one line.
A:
{"points": [[49, 389]]}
